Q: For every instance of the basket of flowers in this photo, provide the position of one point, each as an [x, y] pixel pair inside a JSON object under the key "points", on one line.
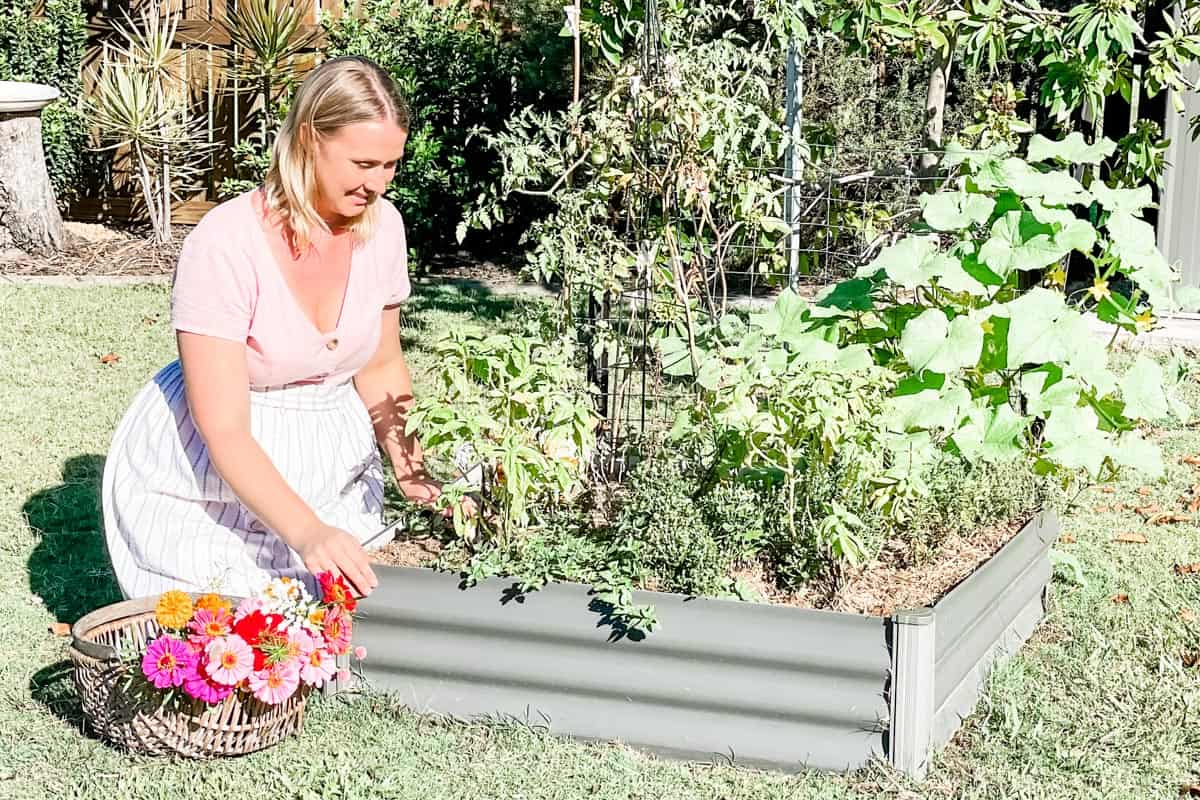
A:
{"points": [[205, 676]]}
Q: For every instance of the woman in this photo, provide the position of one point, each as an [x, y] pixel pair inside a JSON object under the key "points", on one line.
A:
{"points": [[254, 455]]}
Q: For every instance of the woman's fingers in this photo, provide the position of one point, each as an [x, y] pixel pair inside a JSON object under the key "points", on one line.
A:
{"points": [[343, 555], [356, 567]]}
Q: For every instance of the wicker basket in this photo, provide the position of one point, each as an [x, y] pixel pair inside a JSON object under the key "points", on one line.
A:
{"points": [[237, 726]]}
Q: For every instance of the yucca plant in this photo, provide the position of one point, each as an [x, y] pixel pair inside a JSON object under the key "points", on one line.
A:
{"points": [[141, 102], [267, 36]]}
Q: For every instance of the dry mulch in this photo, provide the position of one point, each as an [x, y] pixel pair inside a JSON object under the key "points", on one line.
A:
{"points": [[100, 251], [894, 582]]}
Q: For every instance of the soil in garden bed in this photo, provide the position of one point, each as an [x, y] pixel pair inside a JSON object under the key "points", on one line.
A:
{"points": [[409, 551], [898, 579]]}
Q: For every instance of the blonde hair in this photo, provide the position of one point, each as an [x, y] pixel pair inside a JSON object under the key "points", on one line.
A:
{"points": [[340, 92]]}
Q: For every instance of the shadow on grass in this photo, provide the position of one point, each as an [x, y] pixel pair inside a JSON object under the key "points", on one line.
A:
{"points": [[423, 318], [69, 568], [54, 688]]}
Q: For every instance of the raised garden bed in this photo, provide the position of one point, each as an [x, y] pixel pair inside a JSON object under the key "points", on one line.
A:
{"points": [[758, 684]]}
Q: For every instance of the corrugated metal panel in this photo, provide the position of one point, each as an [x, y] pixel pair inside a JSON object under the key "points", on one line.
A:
{"points": [[987, 616], [1179, 215], [764, 685]]}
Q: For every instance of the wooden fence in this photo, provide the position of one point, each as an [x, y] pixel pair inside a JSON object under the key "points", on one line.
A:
{"points": [[230, 109]]}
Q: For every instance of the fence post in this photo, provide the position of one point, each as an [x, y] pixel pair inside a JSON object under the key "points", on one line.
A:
{"points": [[912, 706], [794, 158]]}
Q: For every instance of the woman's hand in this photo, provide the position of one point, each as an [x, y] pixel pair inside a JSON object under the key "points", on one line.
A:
{"points": [[324, 548], [424, 490]]}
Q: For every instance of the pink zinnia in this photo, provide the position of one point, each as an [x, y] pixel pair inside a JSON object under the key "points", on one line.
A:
{"points": [[276, 682], [230, 660], [204, 688], [338, 630], [317, 667], [207, 625], [167, 662], [248, 607], [360, 652]]}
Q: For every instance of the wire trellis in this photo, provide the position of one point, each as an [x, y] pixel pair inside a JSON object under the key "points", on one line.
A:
{"points": [[842, 205]]}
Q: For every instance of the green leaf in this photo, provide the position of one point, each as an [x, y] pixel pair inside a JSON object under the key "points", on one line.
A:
{"points": [[1050, 215], [1019, 241], [1041, 400], [1133, 237], [1033, 330], [1068, 567], [929, 409], [1078, 235], [676, 360], [990, 434], [917, 382], [1083, 355], [1132, 451], [930, 341], [953, 211], [1075, 441], [1055, 187], [1116, 309], [853, 295], [775, 225], [1073, 149], [1142, 389], [1177, 373], [709, 375], [995, 343], [971, 265], [910, 262], [785, 318], [1130, 201]]}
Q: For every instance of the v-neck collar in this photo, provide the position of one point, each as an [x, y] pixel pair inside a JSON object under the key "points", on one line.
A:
{"points": [[260, 225]]}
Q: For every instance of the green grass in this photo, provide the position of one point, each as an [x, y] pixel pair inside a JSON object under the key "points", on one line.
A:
{"points": [[1098, 705]]}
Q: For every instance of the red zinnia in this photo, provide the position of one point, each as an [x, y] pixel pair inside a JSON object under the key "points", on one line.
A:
{"points": [[252, 627], [336, 592]]}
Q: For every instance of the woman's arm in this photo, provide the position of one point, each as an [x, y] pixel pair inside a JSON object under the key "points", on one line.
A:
{"points": [[217, 386], [385, 387]]}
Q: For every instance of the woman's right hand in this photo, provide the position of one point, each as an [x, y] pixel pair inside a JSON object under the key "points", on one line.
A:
{"points": [[324, 548]]}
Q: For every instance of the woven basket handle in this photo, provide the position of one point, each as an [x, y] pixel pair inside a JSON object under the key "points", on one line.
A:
{"points": [[104, 616]]}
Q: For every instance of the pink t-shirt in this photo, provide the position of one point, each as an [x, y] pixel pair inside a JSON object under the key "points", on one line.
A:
{"points": [[228, 284]]}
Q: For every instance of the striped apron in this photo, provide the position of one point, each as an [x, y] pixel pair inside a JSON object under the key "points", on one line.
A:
{"points": [[171, 522]]}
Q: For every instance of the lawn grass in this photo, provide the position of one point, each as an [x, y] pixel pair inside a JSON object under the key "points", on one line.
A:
{"points": [[1098, 705]]}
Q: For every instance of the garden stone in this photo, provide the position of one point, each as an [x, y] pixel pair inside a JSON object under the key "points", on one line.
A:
{"points": [[29, 216]]}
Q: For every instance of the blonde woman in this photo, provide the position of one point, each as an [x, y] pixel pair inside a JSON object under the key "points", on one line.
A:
{"points": [[255, 454]]}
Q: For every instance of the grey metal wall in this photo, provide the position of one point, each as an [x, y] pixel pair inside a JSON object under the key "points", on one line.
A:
{"points": [[764, 685], [1179, 214], [987, 617]]}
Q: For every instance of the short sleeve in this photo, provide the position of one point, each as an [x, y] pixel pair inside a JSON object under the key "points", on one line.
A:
{"points": [[395, 257], [214, 290]]}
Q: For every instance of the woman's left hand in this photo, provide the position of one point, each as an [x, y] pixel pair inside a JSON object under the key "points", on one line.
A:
{"points": [[424, 490]]}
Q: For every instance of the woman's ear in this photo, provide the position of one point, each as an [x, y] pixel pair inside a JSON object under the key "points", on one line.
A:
{"points": [[305, 137]]}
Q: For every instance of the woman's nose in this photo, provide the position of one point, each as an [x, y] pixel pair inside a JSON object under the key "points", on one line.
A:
{"points": [[377, 181]]}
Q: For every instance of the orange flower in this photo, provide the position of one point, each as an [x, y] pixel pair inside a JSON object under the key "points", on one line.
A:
{"points": [[213, 602], [317, 617], [174, 609]]}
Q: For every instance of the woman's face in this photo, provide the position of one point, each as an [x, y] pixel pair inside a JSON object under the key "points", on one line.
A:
{"points": [[354, 165]]}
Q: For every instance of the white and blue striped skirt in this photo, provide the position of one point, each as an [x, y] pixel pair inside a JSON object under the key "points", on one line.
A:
{"points": [[171, 522]]}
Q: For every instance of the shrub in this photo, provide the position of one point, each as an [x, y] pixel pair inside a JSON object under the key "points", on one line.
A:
{"points": [[514, 405], [48, 47], [673, 540], [459, 75]]}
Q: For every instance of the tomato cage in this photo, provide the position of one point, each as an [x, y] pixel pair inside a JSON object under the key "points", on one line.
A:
{"points": [[705, 234]]}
